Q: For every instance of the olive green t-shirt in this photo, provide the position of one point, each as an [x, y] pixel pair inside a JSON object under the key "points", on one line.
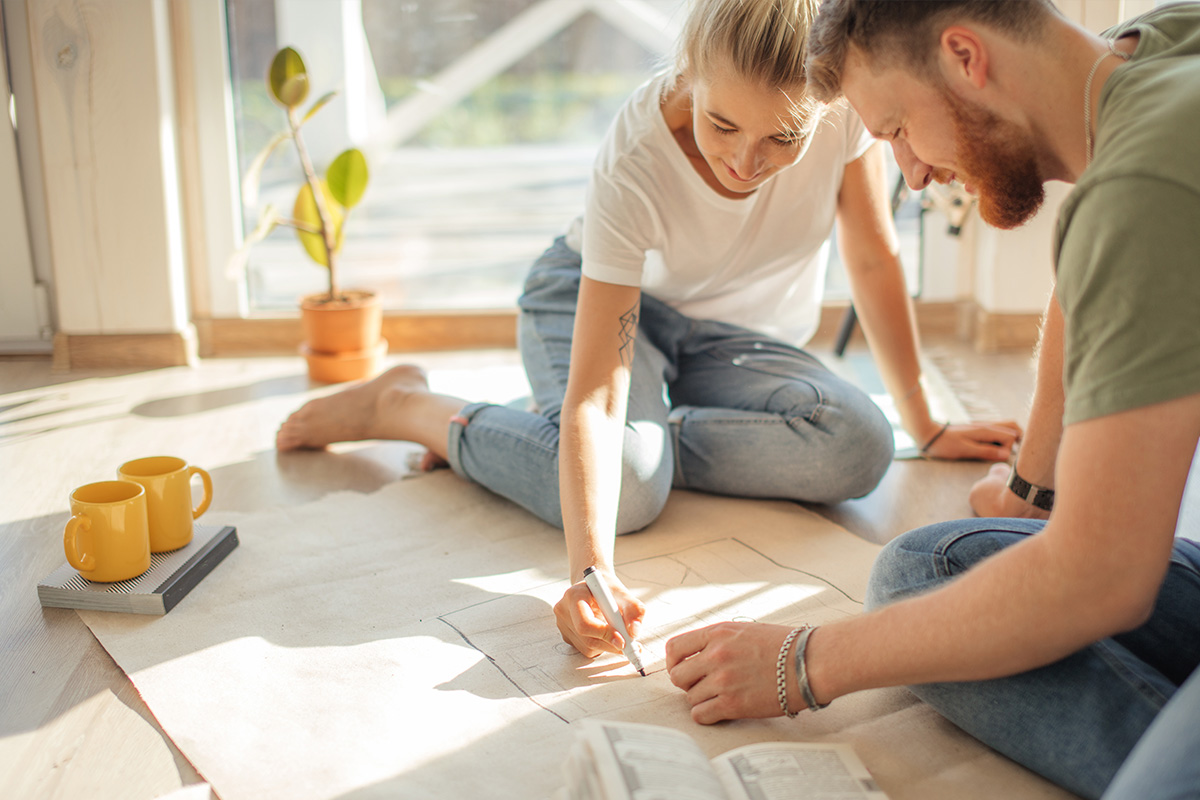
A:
{"points": [[1128, 241]]}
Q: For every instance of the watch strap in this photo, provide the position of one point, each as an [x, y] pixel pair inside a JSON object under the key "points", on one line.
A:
{"points": [[1037, 496]]}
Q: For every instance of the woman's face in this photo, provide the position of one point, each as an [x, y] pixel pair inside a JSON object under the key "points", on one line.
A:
{"points": [[745, 131]]}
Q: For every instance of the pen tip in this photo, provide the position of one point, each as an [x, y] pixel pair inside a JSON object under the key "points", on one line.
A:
{"points": [[642, 672]]}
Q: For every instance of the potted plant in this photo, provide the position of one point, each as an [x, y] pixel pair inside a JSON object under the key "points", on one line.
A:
{"points": [[342, 340]]}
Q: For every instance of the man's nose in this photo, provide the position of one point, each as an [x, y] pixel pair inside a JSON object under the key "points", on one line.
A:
{"points": [[917, 173]]}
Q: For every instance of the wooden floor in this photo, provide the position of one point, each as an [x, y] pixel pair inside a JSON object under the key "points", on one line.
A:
{"points": [[71, 724]]}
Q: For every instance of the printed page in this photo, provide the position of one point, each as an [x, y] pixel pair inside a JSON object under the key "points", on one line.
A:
{"points": [[796, 771], [642, 762]]}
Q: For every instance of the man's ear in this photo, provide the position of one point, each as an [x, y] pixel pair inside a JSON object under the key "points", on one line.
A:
{"points": [[963, 56]]}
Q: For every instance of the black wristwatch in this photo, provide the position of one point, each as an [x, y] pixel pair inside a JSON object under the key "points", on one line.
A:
{"points": [[1037, 496]]}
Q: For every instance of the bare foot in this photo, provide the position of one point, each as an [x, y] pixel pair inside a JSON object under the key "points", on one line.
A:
{"points": [[371, 410]]}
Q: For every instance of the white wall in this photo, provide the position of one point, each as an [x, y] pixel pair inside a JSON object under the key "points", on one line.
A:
{"points": [[22, 326], [1011, 272], [102, 75]]}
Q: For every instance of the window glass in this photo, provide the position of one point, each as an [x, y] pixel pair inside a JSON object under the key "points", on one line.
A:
{"points": [[480, 120]]}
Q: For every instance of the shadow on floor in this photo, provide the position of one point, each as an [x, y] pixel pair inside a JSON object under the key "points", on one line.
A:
{"points": [[195, 402]]}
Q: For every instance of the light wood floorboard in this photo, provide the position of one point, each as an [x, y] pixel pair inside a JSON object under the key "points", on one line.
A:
{"points": [[71, 723]]}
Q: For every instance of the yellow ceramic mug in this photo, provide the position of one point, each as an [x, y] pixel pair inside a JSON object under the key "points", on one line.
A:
{"points": [[107, 538], [168, 484]]}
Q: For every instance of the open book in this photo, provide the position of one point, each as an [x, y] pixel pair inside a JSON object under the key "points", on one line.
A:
{"points": [[627, 760]]}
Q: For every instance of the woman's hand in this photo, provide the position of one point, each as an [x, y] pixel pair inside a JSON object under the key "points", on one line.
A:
{"points": [[992, 441], [991, 497], [728, 671], [582, 624]]}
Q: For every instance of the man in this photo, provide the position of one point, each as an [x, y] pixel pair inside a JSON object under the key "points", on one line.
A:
{"points": [[1061, 643]]}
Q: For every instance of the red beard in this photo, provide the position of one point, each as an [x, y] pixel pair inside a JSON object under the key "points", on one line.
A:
{"points": [[998, 159]]}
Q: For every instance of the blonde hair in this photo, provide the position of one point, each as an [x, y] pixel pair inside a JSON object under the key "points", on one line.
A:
{"points": [[764, 41]]}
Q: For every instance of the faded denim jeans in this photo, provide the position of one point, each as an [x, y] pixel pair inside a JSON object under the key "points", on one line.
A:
{"points": [[1074, 721], [712, 407]]}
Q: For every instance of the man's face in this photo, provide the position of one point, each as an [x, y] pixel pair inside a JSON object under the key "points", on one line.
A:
{"points": [[937, 136]]}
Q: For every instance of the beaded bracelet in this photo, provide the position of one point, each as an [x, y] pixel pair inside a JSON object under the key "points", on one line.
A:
{"points": [[781, 672]]}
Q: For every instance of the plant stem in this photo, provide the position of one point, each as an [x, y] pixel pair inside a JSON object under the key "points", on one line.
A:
{"points": [[310, 175]]}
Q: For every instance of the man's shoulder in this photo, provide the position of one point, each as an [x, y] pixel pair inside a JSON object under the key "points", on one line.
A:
{"points": [[1147, 123], [1169, 26]]}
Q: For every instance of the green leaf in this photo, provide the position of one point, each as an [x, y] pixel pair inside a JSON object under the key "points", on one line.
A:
{"points": [[253, 178], [347, 177], [288, 79], [318, 105], [305, 210]]}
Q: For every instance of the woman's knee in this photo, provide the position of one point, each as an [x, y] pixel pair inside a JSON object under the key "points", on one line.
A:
{"points": [[861, 447], [641, 503]]}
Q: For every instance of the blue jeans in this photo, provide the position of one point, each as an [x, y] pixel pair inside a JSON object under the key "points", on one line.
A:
{"points": [[712, 407], [1164, 764], [1074, 721]]}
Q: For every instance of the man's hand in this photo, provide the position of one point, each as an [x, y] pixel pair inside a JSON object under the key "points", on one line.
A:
{"points": [[991, 497], [582, 624], [728, 671], [979, 441]]}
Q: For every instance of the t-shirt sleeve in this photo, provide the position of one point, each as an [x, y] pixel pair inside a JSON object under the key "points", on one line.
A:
{"points": [[1129, 284], [617, 221], [858, 140]]}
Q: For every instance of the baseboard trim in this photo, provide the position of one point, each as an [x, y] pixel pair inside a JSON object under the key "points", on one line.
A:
{"points": [[405, 332], [139, 350], [935, 319], [431, 331], [992, 332], [497, 328]]}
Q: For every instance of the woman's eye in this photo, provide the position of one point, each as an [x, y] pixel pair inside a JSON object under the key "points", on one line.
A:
{"points": [[719, 129]]}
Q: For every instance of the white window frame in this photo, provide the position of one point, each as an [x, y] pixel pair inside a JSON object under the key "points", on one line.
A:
{"points": [[209, 160], [26, 325]]}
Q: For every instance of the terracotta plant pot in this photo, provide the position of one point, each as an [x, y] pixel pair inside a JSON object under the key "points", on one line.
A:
{"points": [[342, 339], [349, 365]]}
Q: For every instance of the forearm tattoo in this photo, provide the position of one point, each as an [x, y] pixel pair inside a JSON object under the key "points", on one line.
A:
{"points": [[629, 323]]}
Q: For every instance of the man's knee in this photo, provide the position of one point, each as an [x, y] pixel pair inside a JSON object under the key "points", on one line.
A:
{"points": [[902, 564], [921, 559]]}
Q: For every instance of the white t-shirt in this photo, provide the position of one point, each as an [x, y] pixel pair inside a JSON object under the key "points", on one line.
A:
{"points": [[758, 261]]}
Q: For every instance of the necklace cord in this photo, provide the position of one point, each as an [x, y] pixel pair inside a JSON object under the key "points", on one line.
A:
{"points": [[1087, 94]]}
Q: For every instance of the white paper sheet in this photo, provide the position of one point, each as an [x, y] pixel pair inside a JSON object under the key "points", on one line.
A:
{"points": [[402, 644]]}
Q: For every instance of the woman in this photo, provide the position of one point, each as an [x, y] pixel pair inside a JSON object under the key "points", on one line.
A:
{"points": [[661, 334]]}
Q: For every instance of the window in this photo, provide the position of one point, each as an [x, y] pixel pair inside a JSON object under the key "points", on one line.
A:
{"points": [[480, 119]]}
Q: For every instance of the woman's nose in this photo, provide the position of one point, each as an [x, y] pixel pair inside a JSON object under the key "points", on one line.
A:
{"points": [[747, 161]]}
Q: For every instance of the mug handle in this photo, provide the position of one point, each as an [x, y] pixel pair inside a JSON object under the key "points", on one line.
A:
{"points": [[205, 479], [85, 562]]}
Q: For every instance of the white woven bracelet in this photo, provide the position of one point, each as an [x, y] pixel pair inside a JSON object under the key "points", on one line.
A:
{"points": [[802, 672], [781, 672]]}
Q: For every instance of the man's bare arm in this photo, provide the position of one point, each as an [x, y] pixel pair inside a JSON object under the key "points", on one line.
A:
{"points": [[1035, 461], [1093, 572]]}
